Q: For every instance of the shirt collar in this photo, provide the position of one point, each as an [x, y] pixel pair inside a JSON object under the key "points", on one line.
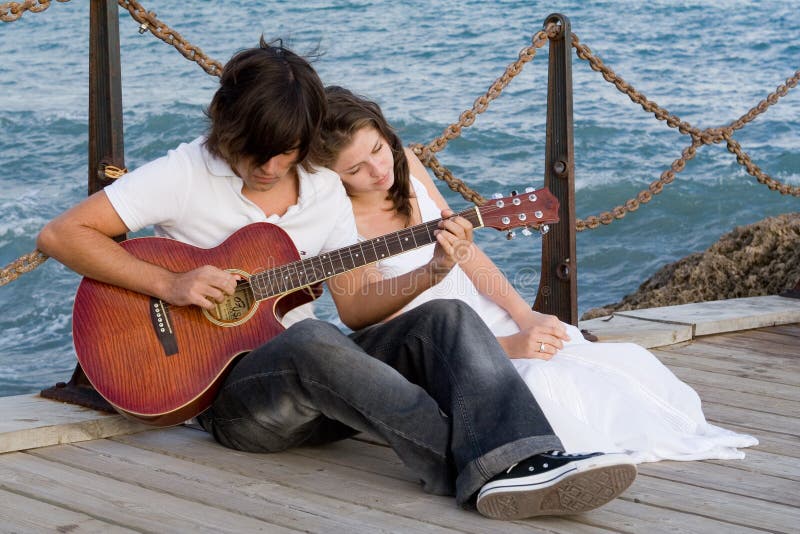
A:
{"points": [[217, 166]]}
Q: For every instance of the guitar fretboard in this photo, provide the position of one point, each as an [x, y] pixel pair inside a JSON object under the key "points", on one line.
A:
{"points": [[297, 274]]}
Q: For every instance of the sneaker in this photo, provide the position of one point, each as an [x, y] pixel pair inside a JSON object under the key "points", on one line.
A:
{"points": [[556, 483]]}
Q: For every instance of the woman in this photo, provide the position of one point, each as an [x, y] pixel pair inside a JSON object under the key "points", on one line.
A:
{"points": [[605, 396]]}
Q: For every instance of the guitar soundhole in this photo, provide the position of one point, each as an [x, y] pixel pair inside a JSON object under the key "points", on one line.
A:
{"points": [[236, 308]]}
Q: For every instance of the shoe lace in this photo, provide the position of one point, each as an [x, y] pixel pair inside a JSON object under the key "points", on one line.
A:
{"points": [[565, 454], [551, 453]]}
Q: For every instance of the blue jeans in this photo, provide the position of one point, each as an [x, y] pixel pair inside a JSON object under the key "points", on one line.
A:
{"points": [[433, 382]]}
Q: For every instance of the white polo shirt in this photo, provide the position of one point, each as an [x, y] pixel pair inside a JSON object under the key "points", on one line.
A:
{"points": [[191, 196]]}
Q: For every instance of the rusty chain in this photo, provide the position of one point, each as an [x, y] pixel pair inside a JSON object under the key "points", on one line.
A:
{"points": [[467, 118], [753, 170], [481, 104], [644, 196], [11, 11], [21, 265], [149, 22], [699, 138], [443, 173]]}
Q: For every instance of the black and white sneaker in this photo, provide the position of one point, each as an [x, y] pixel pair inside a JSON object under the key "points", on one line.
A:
{"points": [[556, 483]]}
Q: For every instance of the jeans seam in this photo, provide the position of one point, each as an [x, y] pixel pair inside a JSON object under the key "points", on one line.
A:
{"points": [[323, 386]]}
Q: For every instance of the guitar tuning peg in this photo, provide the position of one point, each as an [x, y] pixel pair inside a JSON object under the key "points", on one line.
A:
{"points": [[529, 189], [497, 195], [513, 192], [510, 235], [526, 232], [544, 229]]}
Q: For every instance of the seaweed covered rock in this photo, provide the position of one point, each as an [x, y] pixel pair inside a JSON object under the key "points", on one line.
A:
{"points": [[762, 258]]}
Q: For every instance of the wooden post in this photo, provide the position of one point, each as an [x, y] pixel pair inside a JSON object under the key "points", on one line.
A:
{"points": [[558, 287], [105, 148], [105, 93]]}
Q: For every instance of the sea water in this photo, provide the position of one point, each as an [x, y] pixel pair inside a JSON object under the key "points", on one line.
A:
{"points": [[425, 62]]}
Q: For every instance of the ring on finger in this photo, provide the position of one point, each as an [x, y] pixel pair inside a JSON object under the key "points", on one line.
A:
{"points": [[541, 346]]}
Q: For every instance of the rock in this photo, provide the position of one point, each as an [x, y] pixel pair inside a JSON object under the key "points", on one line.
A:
{"points": [[762, 258]]}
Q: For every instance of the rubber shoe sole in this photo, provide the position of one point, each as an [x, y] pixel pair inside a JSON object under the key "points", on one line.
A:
{"points": [[571, 492]]}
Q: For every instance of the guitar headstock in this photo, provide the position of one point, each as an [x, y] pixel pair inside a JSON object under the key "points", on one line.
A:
{"points": [[535, 208]]}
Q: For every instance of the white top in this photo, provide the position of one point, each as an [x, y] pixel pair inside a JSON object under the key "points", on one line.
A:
{"points": [[191, 196], [606, 397], [455, 285]]}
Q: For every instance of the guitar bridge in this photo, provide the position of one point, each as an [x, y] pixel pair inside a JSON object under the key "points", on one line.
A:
{"points": [[159, 317]]}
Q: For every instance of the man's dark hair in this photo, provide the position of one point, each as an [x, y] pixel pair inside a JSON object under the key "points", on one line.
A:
{"points": [[270, 101]]}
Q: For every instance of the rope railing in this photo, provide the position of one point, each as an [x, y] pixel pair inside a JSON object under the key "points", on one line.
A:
{"points": [[148, 21]]}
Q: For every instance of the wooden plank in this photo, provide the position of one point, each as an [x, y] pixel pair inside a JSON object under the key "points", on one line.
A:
{"points": [[327, 471], [735, 383], [359, 483], [749, 401], [700, 359], [30, 421], [773, 336], [790, 426], [741, 354], [791, 330], [620, 515], [771, 442], [19, 513], [240, 494], [746, 342], [117, 502], [717, 316], [396, 493], [618, 329], [715, 503], [629, 515], [767, 463], [736, 481]]}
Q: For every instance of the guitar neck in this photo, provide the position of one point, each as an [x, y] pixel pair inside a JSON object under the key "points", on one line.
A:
{"points": [[301, 273]]}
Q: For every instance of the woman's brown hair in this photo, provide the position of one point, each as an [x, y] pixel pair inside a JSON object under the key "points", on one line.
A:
{"points": [[347, 114]]}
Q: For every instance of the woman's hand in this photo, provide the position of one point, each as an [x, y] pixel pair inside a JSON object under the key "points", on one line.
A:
{"points": [[541, 336], [453, 244]]}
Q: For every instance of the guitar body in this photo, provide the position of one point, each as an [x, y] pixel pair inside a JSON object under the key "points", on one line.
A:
{"points": [[162, 364]]}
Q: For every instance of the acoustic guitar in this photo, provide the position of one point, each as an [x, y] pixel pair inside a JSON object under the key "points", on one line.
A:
{"points": [[162, 364]]}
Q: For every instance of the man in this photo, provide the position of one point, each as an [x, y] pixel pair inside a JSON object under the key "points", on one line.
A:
{"points": [[433, 382]]}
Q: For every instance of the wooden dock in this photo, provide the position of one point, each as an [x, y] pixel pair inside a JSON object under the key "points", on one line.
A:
{"points": [[56, 478]]}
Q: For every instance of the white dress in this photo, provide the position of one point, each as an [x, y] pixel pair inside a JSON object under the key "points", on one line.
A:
{"points": [[608, 397]]}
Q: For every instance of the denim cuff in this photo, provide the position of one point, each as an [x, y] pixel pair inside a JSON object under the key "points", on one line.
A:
{"points": [[476, 473]]}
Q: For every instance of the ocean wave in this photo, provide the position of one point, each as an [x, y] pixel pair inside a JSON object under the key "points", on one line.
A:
{"points": [[708, 63]]}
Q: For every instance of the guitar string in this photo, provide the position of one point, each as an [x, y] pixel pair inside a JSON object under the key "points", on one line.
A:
{"points": [[284, 273], [389, 240], [288, 271]]}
